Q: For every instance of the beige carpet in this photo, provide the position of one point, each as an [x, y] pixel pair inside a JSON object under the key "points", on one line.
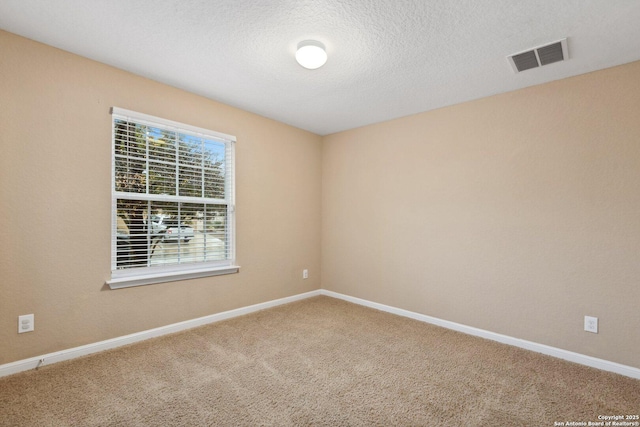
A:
{"points": [[321, 362]]}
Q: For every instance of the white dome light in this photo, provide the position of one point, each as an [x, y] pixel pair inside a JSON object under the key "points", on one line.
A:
{"points": [[311, 54]]}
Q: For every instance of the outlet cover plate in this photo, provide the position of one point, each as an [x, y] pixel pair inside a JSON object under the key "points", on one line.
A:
{"points": [[591, 324], [25, 323]]}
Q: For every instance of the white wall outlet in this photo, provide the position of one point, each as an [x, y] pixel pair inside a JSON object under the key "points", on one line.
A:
{"points": [[305, 274], [25, 323], [591, 324]]}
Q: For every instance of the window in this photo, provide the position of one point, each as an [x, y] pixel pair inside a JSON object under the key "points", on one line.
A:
{"points": [[172, 201]]}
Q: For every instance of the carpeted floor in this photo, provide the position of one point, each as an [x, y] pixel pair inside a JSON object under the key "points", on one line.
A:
{"points": [[320, 362]]}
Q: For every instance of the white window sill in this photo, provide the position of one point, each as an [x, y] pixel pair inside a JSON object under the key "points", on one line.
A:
{"points": [[130, 280]]}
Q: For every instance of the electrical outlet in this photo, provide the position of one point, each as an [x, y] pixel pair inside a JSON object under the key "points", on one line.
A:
{"points": [[591, 324], [25, 323], [305, 274]]}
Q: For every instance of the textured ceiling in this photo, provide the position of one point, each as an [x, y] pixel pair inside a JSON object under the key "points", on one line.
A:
{"points": [[387, 58]]}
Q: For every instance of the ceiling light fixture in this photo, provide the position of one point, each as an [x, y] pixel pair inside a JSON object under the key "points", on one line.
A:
{"points": [[311, 54]]}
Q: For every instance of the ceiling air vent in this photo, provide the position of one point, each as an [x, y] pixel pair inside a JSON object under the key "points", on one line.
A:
{"points": [[538, 56]]}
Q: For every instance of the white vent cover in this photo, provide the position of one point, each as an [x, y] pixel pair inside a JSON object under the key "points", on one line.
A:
{"points": [[539, 56]]}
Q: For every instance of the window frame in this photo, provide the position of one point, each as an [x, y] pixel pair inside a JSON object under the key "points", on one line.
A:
{"points": [[146, 275]]}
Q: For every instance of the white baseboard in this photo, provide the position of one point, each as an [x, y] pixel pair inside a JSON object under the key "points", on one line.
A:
{"points": [[72, 353], [59, 356], [582, 359]]}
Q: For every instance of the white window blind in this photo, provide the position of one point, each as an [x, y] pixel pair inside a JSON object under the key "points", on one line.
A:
{"points": [[172, 201]]}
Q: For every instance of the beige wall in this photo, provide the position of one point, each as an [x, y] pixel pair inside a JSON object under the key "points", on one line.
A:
{"points": [[55, 203], [518, 213]]}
